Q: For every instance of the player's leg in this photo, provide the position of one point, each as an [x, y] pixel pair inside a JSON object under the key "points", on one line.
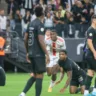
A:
{"points": [[38, 85], [40, 68], [90, 73], [88, 80], [73, 86], [81, 81], [2, 77], [82, 89], [49, 67], [73, 89], [53, 78], [30, 81], [54, 72], [49, 71]]}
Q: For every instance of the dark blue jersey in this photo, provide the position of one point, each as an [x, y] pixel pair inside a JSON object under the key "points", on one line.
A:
{"points": [[35, 29]]}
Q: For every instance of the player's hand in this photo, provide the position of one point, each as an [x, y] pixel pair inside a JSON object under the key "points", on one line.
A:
{"points": [[57, 82], [27, 58], [62, 90], [47, 59]]}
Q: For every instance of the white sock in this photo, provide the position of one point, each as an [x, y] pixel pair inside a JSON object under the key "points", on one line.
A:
{"points": [[52, 83], [94, 89], [86, 92], [23, 94]]}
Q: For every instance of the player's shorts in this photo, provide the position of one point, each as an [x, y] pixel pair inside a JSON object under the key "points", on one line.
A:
{"points": [[38, 64], [53, 61], [91, 62], [2, 77], [79, 81]]}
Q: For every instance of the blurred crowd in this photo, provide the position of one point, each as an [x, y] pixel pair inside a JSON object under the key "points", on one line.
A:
{"points": [[57, 12]]}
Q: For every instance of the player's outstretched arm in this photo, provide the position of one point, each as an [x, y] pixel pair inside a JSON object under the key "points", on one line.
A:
{"points": [[69, 74], [61, 76]]}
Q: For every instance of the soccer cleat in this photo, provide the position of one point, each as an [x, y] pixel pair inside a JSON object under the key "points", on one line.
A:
{"points": [[93, 94], [22, 94], [50, 89], [88, 95]]}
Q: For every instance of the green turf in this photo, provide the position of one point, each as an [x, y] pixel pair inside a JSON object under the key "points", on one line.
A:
{"points": [[16, 82]]}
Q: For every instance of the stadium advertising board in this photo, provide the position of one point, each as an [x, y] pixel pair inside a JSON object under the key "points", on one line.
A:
{"points": [[75, 49]]}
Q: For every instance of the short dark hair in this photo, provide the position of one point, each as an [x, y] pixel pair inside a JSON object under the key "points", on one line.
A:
{"points": [[53, 30], [65, 51], [93, 17], [38, 11]]}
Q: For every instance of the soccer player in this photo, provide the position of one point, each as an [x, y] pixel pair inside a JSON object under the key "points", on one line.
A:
{"points": [[36, 50], [54, 45], [90, 56], [76, 76]]}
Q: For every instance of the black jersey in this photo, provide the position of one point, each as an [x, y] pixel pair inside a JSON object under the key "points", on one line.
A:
{"points": [[34, 29], [91, 34], [69, 65]]}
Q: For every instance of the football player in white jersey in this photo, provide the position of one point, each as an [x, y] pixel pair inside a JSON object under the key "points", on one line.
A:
{"points": [[54, 45]]}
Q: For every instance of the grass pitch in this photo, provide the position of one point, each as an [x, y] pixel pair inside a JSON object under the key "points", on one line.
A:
{"points": [[16, 81]]}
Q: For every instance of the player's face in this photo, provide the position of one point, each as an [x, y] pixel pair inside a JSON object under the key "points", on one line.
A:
{"points": [[62, 56], [53, 36], [94, 21], [48, 33]]}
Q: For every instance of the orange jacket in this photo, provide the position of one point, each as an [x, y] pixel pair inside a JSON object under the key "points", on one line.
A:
{"points": [[2, 43]]}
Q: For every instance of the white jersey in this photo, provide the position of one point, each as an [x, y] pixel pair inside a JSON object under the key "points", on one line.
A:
{"points": [[58, 45]]}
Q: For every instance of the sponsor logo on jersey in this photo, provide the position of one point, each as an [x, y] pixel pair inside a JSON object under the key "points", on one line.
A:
{"points": [[42, 29], [90, 34]]}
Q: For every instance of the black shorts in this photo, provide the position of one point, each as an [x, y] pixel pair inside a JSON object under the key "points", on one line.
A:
{"points": [[38, 64], [91, 62], [80, 80]]}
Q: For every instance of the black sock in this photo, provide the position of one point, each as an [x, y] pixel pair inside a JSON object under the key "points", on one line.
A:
{"points": [[29, 84], [88, 82], [54, 77], [95, 83], [38, 86]]}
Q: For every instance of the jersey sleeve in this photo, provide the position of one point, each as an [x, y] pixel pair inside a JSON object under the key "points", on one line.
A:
{"points": [[90, 34], [63, 45], [68, 67], [41, 30]]}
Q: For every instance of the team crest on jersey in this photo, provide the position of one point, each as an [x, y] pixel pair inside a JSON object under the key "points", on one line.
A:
{"points": [[90, 34], [42, 29]]}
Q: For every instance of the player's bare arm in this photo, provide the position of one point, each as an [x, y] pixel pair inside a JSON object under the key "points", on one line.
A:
{"points": [[61, 75], [26, 46], [43, 45], [69, 75]]}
